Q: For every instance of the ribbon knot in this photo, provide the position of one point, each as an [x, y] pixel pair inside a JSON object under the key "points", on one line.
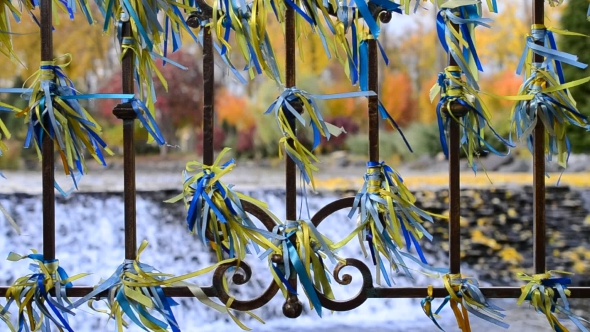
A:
{"points": [[35, 289], [387, 214], [478, 116], [540, 291], [538, 34], [300, 256], [465, 293], [215, 208], [544, 95]]}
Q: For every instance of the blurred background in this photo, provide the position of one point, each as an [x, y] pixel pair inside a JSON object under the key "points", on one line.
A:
{"points": [[409, 41]]}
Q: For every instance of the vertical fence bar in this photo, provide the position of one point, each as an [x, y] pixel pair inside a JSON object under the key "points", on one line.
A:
{"points": [[539, 166], [373, 103], [454, 199], [209, 96], [454, 189], [292, 307], [291, 180], [48, 162], [126, 113]]}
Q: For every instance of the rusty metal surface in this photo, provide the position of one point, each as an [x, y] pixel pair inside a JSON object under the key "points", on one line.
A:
{"points": [[371, 292], [539, 232], [126, 113], [332, 207], [245, 271], [48, 161], [292, 307], [242, 277], [454, 147], [373, 105], [208, 96], [454, 198]]}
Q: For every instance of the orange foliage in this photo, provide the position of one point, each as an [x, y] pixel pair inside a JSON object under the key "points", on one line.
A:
{"points": [[397, 97], [426, 109], [344, 107], [234, 110], [505, 83]]}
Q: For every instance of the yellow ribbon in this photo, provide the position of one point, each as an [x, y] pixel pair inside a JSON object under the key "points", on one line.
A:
{"points": [[461, 314], [310, 253], [7, 9], [24, 291], [236, 227], [133, 283], [297, 151], [66, 118], [542, 298]]}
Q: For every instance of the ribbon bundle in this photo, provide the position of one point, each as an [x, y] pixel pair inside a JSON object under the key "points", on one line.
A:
{"points": [[132, 290], [31, 295], [456, 22], [136, 290], [453, 90], [70, 7], [464, 292], [545, 96], [216, 208], [287, 107], [303, 249], [460, 42], [541, 292], [386, 215], [248, 21], [7, 9], [54, 109]]}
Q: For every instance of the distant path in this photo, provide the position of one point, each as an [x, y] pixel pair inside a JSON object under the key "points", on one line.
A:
{"points": [[253, 177]]}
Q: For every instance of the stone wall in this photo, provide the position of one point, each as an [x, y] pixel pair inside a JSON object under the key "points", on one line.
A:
{"points": [[496, 230]]}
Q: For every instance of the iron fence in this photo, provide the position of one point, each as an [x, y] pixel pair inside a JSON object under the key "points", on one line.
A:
{"points": [[292, 307]]}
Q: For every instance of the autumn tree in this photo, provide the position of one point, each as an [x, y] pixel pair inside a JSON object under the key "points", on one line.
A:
{"points": [[177, 108], [87, 44], [574, 19], [234, 110], [398, 98]]}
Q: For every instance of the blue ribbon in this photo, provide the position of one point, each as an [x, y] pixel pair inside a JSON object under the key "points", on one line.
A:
{"points": [[161, 303], [469, 287], [368, 205], [57, 312], [559, 285]]}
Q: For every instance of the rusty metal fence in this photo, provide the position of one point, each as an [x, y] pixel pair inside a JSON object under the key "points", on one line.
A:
{"points": [[292, 307]]}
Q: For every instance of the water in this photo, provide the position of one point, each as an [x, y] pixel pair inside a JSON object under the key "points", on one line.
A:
{"points": [[90, 237]]}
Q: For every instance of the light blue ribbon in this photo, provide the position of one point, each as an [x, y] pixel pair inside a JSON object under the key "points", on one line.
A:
{"points": [[57, 311], [161, 303], [470, 287]]}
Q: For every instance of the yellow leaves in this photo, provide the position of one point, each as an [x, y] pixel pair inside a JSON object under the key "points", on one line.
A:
{"points": [[87, 44], [578, 256], [510, 255], [478, 237], [502, 44]]}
